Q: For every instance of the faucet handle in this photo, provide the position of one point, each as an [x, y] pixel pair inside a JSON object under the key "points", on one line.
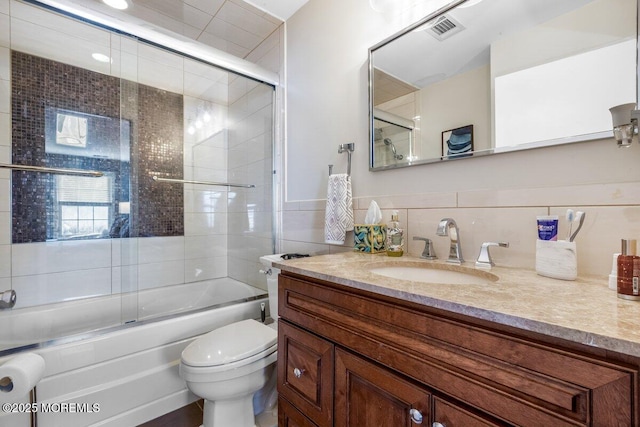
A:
{"points": [[484, 257], [428, 252], [7, 299]]}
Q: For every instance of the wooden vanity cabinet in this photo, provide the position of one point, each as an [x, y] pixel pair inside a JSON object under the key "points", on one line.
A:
{"points": [[353, 358]]}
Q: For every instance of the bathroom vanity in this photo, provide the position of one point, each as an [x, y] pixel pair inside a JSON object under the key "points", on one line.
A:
{"points": [[359, 349]]}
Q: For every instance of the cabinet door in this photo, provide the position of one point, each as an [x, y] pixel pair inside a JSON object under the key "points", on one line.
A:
{"points": [[448, 415], [288, 416], [305, 372], [367, 395]]}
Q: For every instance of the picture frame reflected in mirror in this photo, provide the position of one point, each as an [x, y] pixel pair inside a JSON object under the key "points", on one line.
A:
{"points": [[457, 142]]}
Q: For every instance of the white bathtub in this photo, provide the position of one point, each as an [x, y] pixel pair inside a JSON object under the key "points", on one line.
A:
{"points": [[131, 371]]}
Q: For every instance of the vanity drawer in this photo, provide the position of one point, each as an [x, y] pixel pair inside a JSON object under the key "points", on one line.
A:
{"points": [[305, 372], [448, 414], [512, 378]]}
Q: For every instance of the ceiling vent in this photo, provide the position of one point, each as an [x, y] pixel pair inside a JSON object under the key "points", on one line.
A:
{"points": [[444, 27]]}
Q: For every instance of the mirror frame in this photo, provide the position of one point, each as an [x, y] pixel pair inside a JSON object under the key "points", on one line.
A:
{"points": [[480, 153]]}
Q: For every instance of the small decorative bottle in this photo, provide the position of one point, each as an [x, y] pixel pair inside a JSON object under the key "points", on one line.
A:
{"points": [[629, 271], [395, 237]]}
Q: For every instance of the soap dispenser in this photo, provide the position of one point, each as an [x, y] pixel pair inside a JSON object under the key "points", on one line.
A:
{"points": [[395, 237]]}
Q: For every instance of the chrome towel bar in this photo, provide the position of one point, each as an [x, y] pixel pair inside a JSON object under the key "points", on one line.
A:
{"points": [[43, 169], [184, 181], [341, 149]]}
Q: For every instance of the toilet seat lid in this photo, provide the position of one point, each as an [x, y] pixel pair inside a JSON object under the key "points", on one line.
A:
{"points": [[230, 343]]}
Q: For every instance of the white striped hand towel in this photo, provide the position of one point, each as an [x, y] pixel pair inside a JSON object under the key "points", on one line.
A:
{"points": [[338, 217]]}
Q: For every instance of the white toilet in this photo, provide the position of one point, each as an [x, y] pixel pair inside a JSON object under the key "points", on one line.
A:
{"points": [[228, 365]]}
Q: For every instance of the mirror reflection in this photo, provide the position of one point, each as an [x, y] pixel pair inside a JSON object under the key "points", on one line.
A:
{"points": [[514, 74]]}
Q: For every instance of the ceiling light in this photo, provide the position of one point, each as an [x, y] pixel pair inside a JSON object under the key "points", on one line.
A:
{"points": [[100, 57], [117, 4]]}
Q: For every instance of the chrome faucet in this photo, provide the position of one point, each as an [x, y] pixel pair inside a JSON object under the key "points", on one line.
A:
{"points": [[428, 252], [7, 299], [484, 258], [448, 227]]}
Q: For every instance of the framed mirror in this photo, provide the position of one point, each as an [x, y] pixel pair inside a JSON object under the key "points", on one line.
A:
{"points": [[512, 74]]}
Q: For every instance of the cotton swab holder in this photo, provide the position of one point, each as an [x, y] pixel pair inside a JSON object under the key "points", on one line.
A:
{"points": [[557, 259]]}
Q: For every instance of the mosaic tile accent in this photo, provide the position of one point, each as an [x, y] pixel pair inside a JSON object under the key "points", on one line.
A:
{"points": [[151, 118], [158, 151]]}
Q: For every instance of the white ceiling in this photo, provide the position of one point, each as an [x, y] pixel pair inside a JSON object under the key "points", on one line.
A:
{"points": [[282, 9], [233, 26]]}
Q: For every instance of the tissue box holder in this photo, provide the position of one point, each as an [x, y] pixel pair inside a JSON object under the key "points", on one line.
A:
{"points": [[369, 238], [557, 259]]}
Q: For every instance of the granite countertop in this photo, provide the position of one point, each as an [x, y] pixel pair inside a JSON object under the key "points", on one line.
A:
{"points": [[585, 311]]}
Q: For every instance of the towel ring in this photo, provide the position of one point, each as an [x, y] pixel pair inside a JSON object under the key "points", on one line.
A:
{"points": [[341, 149]]}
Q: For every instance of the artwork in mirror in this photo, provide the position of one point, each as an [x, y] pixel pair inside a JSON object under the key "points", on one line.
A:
{"points": [[526, 73], [457, 142]]}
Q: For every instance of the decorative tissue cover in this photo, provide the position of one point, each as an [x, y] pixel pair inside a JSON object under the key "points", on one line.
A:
{"points": [[369, 237]]}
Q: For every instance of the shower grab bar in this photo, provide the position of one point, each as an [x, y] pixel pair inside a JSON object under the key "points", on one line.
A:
{"points": [[52, 170], [341, 149], [184, 181]]}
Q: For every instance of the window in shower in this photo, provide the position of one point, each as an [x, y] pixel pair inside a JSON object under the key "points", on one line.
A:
{"points": [[84, 206], [81, 207]]}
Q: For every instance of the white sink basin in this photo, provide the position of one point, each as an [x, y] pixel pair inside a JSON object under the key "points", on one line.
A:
{"points": [[432, 274]]}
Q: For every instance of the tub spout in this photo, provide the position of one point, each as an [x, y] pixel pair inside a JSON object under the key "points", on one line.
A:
{"points": [[7, 299]]}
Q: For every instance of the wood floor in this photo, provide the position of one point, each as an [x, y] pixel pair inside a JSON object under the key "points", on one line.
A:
{"points": [[191, 416], [188, 416]]}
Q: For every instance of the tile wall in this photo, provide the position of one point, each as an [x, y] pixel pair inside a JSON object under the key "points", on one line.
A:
{"points": [[39, 88], [46, 272], [612, 212]]}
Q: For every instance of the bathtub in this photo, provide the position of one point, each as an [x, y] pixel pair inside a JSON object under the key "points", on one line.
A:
{"points": [[128, 372]]}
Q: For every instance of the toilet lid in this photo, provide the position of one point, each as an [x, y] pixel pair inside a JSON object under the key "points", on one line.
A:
{"points": [[230, 344]]}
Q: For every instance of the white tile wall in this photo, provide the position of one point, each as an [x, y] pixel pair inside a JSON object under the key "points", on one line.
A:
{"points": [[205, 246], [612, 212], [203, 200], [157, 274], [5, 232], [160, 74], [206, 88], [5, 261], [52, 257], [54, 287], [197, 269], [160, 249], [5, 97], [197, 224], [5, 60]]}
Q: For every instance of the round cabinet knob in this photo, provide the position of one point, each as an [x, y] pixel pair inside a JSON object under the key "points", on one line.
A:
{"points": [[298, 372], [437, 424], [416, 416]]}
